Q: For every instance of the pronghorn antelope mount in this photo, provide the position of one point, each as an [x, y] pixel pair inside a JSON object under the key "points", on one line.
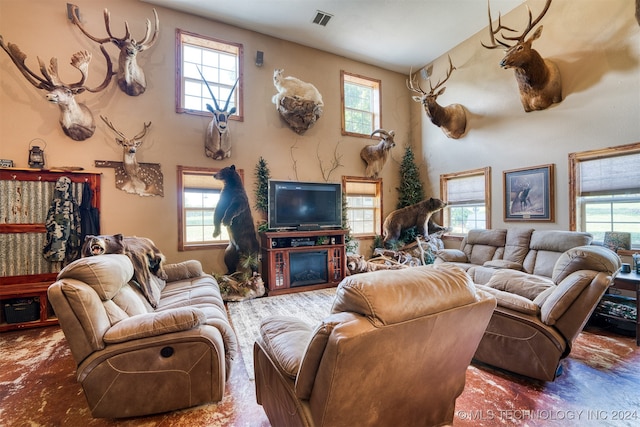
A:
{"points": [[75, 118], [217, 143], [538, 78], [452, 119], [376, 155], [144, 179], [130, 76]]}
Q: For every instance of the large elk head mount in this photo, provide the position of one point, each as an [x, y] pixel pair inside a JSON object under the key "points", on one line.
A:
{"points": [[75, 118], [130, 77], [452, 119], [144, 179], [538, 78], [217, 144]]}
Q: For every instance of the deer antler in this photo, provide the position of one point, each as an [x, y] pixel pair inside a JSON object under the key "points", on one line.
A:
{"points": [[495, 43], [18, 57], [411, 80], [143, 133], [113, 128], [451, 68]]}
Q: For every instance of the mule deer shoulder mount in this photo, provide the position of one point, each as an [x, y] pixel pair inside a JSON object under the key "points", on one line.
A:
{"points": [[538, 78], [452, 119], [217, 143], [144, 179], [76, 119], [130, 76]]}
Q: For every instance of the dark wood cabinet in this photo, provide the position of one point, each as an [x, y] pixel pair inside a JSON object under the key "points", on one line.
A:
{"points": [[25, 275], [294, 261]]}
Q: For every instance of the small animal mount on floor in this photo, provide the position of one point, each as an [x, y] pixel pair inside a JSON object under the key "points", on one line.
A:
{"points": [[299, 103], [144, 179]]}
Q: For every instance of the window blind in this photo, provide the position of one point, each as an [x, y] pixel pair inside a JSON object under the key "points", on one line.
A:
{"points": [[610, 175], [468, 189]]}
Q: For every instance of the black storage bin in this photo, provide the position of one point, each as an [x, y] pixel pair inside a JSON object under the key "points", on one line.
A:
{"points": [[20, 310]]}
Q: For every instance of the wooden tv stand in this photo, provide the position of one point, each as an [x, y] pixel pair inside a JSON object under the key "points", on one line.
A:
{"points": [[279, 248]]}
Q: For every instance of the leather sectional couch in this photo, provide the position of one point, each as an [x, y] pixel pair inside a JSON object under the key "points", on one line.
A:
{"points": [[133, 359], [547, 284]]}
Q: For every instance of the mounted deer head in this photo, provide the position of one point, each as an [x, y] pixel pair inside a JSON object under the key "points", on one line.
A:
{"points": [[130, 76], [135, 178], [538, 79], [217, 144], [75, 118], [452, 119]]}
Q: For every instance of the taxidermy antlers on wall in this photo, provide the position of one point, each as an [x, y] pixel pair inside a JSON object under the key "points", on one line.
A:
{"points": [[75, 118], [130, 76], [144, 179], [538, 79], [217, 143], [375, 156], [452, 119]]}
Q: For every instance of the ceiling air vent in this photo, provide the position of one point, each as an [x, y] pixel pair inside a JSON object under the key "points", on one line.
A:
{"points": [[322, 18]]}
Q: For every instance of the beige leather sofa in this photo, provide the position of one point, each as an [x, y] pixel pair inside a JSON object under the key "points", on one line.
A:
{"points": [[482, 252], [393, 352], [547, 287], [131, 359]]}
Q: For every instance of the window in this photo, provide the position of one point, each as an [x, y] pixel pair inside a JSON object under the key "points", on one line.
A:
{"points": [[605, 195], [361, 103], [219, 62], [364, 205], [468, 196], [199, 193]]}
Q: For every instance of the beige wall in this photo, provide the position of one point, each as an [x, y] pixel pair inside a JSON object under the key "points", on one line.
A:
{"points": [[596, 44], [178, 139]]}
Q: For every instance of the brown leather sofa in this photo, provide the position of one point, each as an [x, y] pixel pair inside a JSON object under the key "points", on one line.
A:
{"points": [[393, 351], [135, 360], [537, 319]]}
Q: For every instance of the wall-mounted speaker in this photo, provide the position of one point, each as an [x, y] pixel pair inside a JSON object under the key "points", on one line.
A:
{"points": [[259, 58]]}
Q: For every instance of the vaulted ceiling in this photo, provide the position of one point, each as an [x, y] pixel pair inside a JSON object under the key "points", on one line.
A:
{"points": [[392, 34]]}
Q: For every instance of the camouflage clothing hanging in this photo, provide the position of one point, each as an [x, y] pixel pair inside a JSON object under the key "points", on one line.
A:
{"points": [[63, 225]]}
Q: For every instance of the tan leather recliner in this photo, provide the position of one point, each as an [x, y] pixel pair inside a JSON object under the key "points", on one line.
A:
{"points": [[132, 359], [394, 352], [538, 318]]}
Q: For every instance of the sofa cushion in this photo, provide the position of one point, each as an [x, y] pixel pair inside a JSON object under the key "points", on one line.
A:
{"points": [[503, 263], [426, 290], [106, 274], [154, 324], [546, 247], [564, 295], [285, 339], [511, 301], [517, 282], [596, 258], [517, 244]]}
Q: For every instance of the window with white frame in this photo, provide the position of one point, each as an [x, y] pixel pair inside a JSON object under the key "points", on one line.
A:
{"points": [[361, 104], [606, 192], [199, 194], [363, 197], [219, 62], [468, 196]]}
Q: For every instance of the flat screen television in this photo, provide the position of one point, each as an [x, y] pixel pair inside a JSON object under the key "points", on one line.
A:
{"points": [[304, 205]]}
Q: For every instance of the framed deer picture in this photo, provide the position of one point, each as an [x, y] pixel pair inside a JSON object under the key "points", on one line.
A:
{"points": [[529, 194]]}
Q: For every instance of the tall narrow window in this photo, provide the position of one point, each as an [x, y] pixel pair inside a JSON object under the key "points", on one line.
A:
{"points": [[219, 62], [199, 193], [364, 205], [361, 104], [605, 195], [468, 198]]}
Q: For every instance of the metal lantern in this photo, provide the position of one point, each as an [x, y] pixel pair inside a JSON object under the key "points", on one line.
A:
{"points": [[36, 154]]}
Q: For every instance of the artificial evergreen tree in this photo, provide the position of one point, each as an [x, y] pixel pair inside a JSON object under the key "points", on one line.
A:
{"points": [[262, 176], [411, 190]]}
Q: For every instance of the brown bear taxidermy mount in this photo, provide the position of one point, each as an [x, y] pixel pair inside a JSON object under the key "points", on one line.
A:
{"points": [[417, 215], [143, 253], [233, 211]]}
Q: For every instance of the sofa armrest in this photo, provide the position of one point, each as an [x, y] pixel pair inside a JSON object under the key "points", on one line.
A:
{"points": [[154, 324], [565, 294], [183, 270], [285, 340], [452, 255], [511, 301]]}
